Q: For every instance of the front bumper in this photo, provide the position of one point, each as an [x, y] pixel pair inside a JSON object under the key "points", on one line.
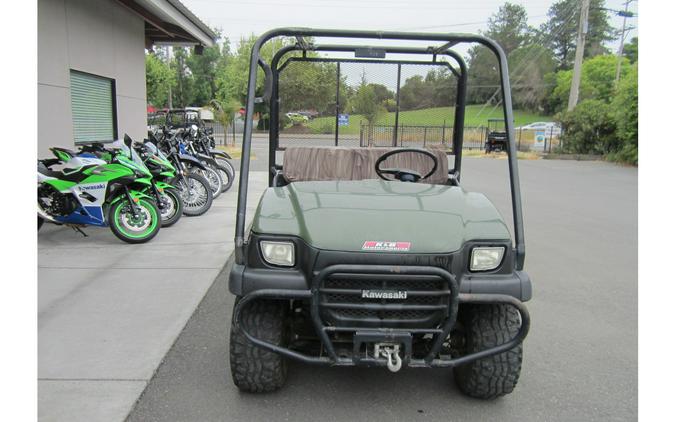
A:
{"points": [[372, 335], [244, 280]]}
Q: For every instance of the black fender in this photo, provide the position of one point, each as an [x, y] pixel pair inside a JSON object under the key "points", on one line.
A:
{"points": [[207, 158], [220, 154], [190, 160], [213, 163]]}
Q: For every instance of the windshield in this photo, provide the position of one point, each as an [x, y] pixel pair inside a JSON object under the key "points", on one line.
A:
{"points": [[152, 149], [124, 152]]}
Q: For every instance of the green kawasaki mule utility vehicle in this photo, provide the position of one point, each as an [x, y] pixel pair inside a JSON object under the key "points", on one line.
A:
{"points": [[374, 256]]}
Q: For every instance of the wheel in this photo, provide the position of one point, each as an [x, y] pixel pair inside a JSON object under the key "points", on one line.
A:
{"points": [[487, 326], [170, 207], [227, 174], [41, 221], [213, 178], [195, 192], [134, 229], [253, 369]]}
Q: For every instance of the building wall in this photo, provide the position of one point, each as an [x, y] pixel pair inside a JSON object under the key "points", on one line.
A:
{"points": [[94, 36]]}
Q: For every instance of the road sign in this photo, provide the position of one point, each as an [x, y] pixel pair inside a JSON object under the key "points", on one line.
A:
{"points": [[539, 140], [343, 119]]}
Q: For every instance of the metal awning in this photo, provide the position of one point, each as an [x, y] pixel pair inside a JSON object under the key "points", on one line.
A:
{"points": [[169, 22]]}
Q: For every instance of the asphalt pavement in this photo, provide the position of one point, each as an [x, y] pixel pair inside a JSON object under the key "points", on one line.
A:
{"points": [[580, 361]]}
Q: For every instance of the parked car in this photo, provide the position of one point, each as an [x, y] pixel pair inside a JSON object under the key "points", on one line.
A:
{"points": [[297, 117], [548, 127], [310, 114]]}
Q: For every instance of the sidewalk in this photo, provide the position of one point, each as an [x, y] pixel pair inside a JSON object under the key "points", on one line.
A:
{"points": [[108, 312]]}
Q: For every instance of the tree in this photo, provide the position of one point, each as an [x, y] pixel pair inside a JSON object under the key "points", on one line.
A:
{"points": [[309, 86], [589, 128], [559, 33], [182, 95], [443, 87], [509, 28], [224, 112], [203, 69], [382, 93], [414, 94], [530, 87], [232, 81], [364, 102], [625, 108], [597, 80], [630, 50], [158, 80]]}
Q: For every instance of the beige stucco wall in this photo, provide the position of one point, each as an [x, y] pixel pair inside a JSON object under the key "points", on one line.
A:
{"points": [[93, 36]]}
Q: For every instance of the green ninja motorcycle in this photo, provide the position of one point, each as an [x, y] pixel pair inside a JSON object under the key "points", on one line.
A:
{"points": [[147, 159], [90, 191]]}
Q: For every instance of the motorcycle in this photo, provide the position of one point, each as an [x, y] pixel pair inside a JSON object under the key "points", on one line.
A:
{"points": [[195, 190], [218, 176], [204, 144], [167, 197], [92, 192]]}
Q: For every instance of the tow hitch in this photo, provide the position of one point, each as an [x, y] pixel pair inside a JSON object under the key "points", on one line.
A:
{"points": [[390, 352]]}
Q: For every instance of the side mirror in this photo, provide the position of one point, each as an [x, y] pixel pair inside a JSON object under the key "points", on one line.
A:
{"points": [[128, 142]]}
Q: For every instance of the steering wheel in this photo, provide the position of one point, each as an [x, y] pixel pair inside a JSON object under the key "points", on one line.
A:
{"points": [[404, 175]]}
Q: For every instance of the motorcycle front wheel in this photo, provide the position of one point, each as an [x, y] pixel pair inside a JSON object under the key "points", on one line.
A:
{"points": [[227, 174], [196, 194], [132, 227], [214, 179], [170, 207]]}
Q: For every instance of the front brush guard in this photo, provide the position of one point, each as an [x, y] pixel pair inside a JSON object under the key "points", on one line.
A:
{"points": [[368, 334]]}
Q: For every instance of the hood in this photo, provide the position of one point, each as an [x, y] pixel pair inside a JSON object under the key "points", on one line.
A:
{"points": [[377, 215]]}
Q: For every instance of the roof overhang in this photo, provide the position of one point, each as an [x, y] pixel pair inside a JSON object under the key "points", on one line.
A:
{"points": [[169, 22]]}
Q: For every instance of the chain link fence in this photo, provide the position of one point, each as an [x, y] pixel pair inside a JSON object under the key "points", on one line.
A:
{"points": [[353, 103]]}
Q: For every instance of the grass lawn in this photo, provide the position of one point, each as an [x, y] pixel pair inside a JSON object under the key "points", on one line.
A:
{"points": [[235, 152], [428, 117]]}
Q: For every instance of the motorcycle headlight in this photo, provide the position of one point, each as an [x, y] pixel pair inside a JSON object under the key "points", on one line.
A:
{"points": [[486, 258], [278, 253]]}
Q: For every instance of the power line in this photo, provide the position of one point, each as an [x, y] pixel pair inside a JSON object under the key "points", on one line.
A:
{"points": [[453, 25], [526, 60], [619, 54]]}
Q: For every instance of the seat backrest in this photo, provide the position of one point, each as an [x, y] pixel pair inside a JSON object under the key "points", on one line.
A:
{"points": [[344, 163]]}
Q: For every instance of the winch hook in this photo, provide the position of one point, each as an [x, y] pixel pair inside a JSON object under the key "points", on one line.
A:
{"points": [[395, 364]]}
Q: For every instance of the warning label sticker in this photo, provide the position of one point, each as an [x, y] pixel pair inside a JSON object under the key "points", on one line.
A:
{"points": [[377, 245]]}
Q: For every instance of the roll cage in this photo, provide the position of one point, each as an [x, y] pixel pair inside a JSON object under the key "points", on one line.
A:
{"points": [[445, 43]]}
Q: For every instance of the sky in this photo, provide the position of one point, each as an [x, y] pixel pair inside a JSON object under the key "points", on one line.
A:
{"points": [[236, 19], [243, 17]]}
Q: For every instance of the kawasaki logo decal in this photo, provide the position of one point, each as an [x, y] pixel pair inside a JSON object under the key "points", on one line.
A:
{"points": [[384, 294], [373, 245], [90, 187]]}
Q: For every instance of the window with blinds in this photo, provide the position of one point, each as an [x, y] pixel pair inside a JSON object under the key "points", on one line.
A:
{"points": [[92, 101]]}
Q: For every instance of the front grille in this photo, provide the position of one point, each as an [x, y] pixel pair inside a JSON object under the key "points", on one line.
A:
{"points": [[426, 304]]}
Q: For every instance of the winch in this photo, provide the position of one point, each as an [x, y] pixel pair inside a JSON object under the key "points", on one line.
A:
{"points": [[389, 351]]}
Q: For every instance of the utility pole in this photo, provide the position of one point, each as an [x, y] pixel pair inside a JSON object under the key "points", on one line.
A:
{"points": [[579, 55], [625, 14], [168, 63], [180, 80]]}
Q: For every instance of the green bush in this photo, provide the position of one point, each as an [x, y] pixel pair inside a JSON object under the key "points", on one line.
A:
{"points": [[287, 121], [326, 127], [597, 81], [590, 128], [625, 107]]}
